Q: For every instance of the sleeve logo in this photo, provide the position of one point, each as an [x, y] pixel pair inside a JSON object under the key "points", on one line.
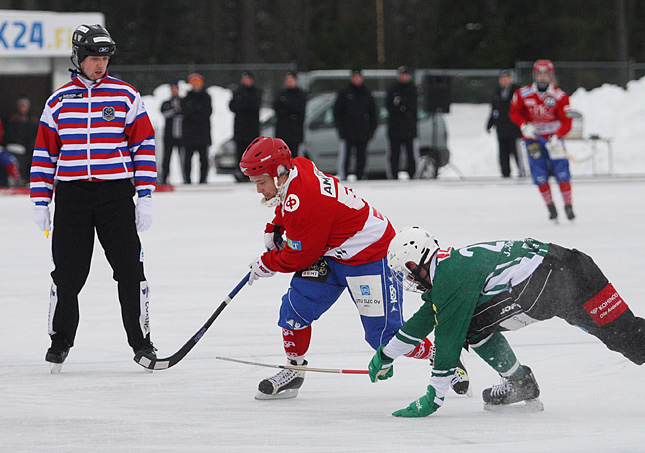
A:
{"points": [[291, 203]]}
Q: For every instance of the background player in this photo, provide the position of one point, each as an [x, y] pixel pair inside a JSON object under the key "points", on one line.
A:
{"points": [[541, 111]]}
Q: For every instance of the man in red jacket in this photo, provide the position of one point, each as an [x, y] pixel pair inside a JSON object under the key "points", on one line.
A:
{"points": [[333, 240]]}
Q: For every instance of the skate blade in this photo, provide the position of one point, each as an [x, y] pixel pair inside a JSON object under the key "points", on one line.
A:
{"points": [[534, 405], [54, 368], [286, 394]]}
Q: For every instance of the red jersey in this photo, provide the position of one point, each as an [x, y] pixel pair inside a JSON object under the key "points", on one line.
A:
{"points": [[547, 111], [322, 217]]}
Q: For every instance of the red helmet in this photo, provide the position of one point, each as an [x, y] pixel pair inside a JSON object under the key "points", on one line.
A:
{"points": [[266, 156], [544, 66]]}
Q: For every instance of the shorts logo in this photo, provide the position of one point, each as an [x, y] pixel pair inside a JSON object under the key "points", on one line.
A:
{"points": [[606, 306], [109, 113], [291, 203], [365, 290]]}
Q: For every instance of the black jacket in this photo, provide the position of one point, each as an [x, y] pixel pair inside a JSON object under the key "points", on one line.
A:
{"points": [[245, 104], [501, 104], [171, 110], [289, 106], [197, 108], [355, 113], [401, 104]]}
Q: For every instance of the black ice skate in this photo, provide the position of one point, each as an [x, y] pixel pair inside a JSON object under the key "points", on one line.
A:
{"points": [[146, 353], [516, 389], [460, 383], [56, 355], [568, 209], [553, 213], [283, 385]]}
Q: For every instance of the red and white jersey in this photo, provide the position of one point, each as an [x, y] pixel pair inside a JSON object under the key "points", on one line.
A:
{"points": [[322, 217], [547, 111]]}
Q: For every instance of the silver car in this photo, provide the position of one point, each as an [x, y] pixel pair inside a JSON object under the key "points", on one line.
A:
{"points": [[321, 140]]}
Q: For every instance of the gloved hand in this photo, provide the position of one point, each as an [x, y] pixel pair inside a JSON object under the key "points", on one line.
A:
{"points": [[528, 131], [555, 148], [259, 270], [273, 237], [143, 213], [422, 407], [380, 367], [42, 217]]}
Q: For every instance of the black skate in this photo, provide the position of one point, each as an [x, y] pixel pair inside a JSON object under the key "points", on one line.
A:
{"points": [[460, 383], [283, 385], [148, 353], [553, 213], [568, 209], [56, 355], [516, 389]]}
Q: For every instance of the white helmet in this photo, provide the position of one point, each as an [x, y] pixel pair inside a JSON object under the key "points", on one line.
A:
{"points": [[410, 249]]}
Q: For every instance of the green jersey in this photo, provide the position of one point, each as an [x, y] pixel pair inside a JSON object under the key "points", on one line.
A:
{"points": [[462, 279]]}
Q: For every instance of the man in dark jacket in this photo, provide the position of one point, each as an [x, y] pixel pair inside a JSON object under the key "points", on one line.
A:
{"points": [[245, 104], [507, 132], [172, 134], [197, 109], [356, 120], [401, 104], [289, 106]]}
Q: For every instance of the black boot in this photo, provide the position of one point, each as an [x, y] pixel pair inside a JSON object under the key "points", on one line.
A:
{"points": [[568, 209], [553, 213]]}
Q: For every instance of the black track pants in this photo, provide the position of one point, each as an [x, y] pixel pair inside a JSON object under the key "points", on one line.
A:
{"points": [[107, 208]]}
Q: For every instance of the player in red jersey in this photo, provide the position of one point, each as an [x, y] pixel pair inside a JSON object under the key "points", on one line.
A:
{"points": [[333, 240], [541, 110]]}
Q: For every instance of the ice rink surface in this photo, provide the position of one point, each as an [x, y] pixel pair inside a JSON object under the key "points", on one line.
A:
{"points": [[199, 248]]}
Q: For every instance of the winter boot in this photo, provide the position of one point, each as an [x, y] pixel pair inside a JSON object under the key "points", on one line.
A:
{"points": [[521, 387], [568, 209], [553, 213], [283, 385], [57, 354]]}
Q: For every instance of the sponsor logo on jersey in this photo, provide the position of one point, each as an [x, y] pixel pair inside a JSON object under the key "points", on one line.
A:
{"points": [[549, 101], [606, 306], [294, 245], [291, 203], [327, 187], [109, 113], [70, 96]]}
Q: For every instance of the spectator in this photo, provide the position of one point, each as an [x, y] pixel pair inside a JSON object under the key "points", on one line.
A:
{"points": [[289, 106], [94, 190], [356, 120], [401, 105], [245, 104], [196, 108], [172, 135], [20, 133], [507, 132], [9, 173]]}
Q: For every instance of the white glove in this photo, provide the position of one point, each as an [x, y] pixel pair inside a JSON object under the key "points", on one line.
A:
{"points": [[555, 148], [259, 270], [42, 217], [143, 213], [273, 237], [528, 131]]}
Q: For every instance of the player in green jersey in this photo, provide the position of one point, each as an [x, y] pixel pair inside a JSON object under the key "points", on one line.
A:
{"points": [[472, 294]]}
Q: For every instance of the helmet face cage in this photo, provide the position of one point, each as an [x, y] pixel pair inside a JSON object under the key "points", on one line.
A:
{"points": [[543, 67], [91, 40], [266, 156], [410, 250]]}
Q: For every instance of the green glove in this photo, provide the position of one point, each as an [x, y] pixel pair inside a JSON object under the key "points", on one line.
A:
{"points": [[422, 407], [380, 367]]}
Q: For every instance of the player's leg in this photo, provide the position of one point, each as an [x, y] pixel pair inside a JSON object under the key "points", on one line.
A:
{"points": [[311, 293], [540, 173], [72, 245], [563, 176], [116, 230]]}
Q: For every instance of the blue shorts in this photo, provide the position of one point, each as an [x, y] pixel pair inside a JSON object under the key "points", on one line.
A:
{"points": [[376, 294], [542, 166]]}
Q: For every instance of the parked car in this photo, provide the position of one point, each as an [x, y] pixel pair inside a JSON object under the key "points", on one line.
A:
{"points": [[321, 140]]}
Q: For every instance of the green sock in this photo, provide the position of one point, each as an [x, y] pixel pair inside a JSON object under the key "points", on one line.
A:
{"points": [[496, 352]]}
